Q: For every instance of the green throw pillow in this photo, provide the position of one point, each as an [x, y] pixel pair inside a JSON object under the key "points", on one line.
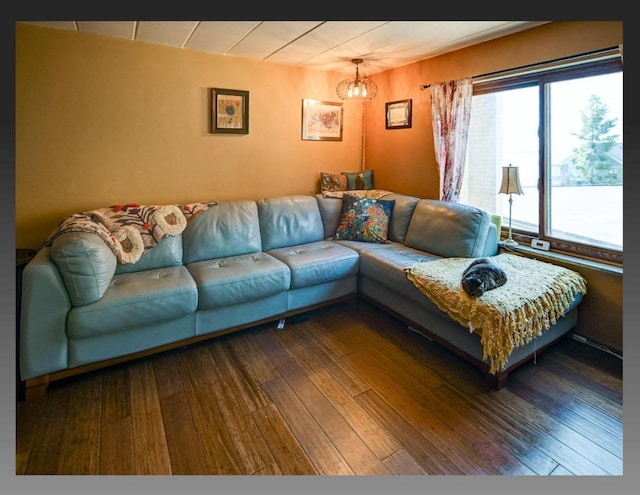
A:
{"points": [[359, 180]]}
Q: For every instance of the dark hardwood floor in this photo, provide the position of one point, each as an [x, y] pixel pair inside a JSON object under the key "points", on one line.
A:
{"points": [[344, 390]]}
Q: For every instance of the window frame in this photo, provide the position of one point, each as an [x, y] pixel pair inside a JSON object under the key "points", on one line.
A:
{"points": [[542, 78]]}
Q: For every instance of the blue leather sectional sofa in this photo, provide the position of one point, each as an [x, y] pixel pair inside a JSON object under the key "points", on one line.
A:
{"points": [[239, 264]]}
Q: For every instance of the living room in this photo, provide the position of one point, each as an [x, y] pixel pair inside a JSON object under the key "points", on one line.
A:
{"points": [[117, 122], [103, 121]]}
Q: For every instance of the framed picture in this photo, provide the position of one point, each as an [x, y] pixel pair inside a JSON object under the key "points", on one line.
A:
{"points": [[229, 111], [321, 120], [398, 114]]}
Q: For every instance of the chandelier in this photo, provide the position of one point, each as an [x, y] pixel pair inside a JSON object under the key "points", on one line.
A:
{"points": [[357, 89]]}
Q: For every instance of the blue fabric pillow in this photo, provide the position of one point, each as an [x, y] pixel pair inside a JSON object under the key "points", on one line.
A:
{"points": [[359, 180], [364, 219]]}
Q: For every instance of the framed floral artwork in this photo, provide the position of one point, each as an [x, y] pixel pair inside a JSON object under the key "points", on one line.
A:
{"points": [[229, 111], [398, 114], [321, 120]]}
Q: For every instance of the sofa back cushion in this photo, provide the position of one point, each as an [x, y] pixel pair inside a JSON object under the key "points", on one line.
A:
{"points": [[402, 213], [448, 229], [289, 221], [330, 209], [86, 264], [168, 252], [228, 228]]}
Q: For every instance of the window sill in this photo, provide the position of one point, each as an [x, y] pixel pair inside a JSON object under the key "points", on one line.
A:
{"points": [[551, 256]]}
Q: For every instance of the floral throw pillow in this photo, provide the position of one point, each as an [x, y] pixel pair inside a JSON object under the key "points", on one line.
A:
{"points": [[364, 219], [332, 182]]}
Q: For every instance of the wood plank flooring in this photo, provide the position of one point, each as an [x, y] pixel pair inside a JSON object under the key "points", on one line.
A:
{"points": [[343, 390]]}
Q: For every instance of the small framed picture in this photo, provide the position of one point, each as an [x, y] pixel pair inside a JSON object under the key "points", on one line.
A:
{"points": [[229, 111], [321, 120], [398, 114]]}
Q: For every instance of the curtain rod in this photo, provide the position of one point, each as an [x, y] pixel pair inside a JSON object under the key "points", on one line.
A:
{"points": [[605, 54]]}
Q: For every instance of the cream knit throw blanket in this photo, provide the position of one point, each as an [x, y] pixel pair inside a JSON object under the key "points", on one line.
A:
{"points": [[534, 297]]}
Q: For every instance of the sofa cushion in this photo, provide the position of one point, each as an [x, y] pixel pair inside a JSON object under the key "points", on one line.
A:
{"points": [[401, 216], [330, 209], [86, 264], [228, 228], [448, 229], [289, 221], [364, 219], [387, 264], [237, 279], [134, 300], [317, 262]]}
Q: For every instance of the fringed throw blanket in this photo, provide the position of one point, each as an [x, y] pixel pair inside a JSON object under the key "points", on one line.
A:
{"points": [[534, 297], [131, 229]]}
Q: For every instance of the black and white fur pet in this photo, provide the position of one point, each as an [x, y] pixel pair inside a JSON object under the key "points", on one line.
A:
{"points": [[482, 275]]}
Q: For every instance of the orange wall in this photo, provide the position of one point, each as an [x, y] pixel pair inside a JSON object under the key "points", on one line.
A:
{"points": [[101, 121]]}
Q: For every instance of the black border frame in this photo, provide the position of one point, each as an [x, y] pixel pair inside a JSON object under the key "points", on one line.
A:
{"points": [[215, 93], [408, 104]]}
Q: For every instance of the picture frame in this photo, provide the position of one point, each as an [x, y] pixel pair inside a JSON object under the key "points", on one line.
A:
{"points": [[321, 120], [229, 111], [398, 114]]}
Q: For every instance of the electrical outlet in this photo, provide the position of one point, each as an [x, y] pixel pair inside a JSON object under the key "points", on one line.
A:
{"points": [[539, 244]]}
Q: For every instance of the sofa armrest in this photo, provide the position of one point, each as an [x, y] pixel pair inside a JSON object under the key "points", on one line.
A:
{"points": [[86, 265], [45, 306]]}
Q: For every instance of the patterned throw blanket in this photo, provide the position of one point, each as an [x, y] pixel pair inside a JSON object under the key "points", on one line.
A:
{"points": [[361, 193], [534, 297], [132, 229]]}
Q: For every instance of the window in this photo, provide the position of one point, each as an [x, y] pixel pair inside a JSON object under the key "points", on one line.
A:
{"points": [[562, 126]]}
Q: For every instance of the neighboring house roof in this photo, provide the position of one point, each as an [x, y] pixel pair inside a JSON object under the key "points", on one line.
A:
{"points": [[615, 154]]}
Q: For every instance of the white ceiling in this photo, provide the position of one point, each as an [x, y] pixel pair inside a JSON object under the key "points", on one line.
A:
{"points": [[321, 45]]}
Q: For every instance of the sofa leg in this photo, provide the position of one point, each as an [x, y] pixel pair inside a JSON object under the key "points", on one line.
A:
{"points": [[497, 381], [281, 324], [36, 387]]}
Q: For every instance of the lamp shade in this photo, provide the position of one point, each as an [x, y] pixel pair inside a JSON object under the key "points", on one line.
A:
{"points": [[358, 89], [510, 181]]}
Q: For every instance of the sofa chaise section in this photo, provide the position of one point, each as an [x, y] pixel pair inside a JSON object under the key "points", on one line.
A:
{"points": [[424, 230]]}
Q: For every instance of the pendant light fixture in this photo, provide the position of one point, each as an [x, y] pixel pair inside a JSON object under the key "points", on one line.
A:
{"points": [[357, 89]]}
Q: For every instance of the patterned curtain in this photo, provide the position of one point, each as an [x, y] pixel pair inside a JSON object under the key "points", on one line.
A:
{"points": [[451, 112]]}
